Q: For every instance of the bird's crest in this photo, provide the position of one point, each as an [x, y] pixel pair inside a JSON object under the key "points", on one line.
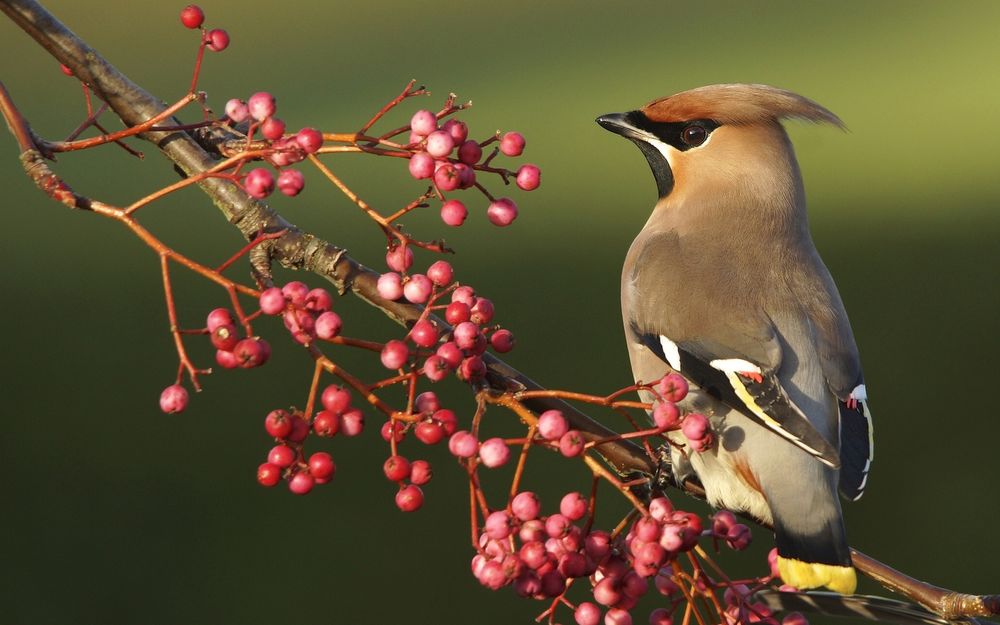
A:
{"points": [[738, 104]]}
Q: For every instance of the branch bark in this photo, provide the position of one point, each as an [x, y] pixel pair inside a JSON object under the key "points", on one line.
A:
{"points": [[195, 151]]}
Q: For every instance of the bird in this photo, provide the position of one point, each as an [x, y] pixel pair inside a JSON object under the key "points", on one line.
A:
{"points": [[724, 286]]}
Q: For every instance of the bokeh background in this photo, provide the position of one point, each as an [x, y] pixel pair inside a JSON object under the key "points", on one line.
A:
{"points": [[115, 513]]}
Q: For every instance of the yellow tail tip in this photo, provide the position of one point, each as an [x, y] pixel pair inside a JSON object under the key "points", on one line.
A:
{"points": [[807, 575]]}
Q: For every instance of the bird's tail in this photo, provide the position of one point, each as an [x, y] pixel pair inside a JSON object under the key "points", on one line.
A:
{"points": [[815, 559], [855, 606]]}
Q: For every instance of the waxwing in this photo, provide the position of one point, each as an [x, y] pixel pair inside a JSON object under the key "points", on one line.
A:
{"points": [[724, 286]]}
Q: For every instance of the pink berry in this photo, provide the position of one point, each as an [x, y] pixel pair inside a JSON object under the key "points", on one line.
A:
{"points": [[352, 422], [336, 399], [259, 183], [529, 177], [466, 175], [502, 212], [660, 616], [296, 293], [597, 544], [512, 143], [278, 423], [502, 341], [587, 613], [192, 16], [464, 294], [482, 311], [226, 360], [395, 354], [457, 312], [440, 144], [552, 425], [447, 178], [326, 424], [571, 444], [556, 525], [399, 258], [469, 152], [328, 325], [660, 508], [409, 498], [262, 105], [173, 399], [428, 432], [466, 334], [281, 456], [393, 430], [272, 128], [390, 286], [268, 474], [237, 110], [424, 333], [218, 39], [435, 368], [525, 506], [447, 420], [472, 368], [497, 525], [440, 273], [463, 444], [318, 300], [420, 472], [458, 130], [301, 324], [291, 182], [722, 521], [418, 288], [272, 301], [494, 452], [396, 468], [309, 139], [453, 213], [573, 506], [224, 337], [606, 592], [673, 387], [427, 402], [451, 354], [617, 616], [695, 426], [252, 352], [421, 165], [218, 317], [301, 483], [423, 122], [738, 537], [321, 465], [666, 415]]}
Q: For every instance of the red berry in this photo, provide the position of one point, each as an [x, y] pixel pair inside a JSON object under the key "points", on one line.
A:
{"points": [[218, 317], [261, 105], [226, 360], [399, 258], [447, 420], [309, 139], [291, 182], [300, 428], [192, 16], [447, 178], [502, 341], [352, 422], [268, 474], [423, 122], [482, 311], [464, 294], [301, 483], [571, 444], [237, 110], [738, 537], [173, 399], [512, 143], [466, 334], [472, 368], [463, 444], [259, 183], [424, 333], [281, 456], [529, 177], [224, 337], [453, 213], [326, 423], [420, 472], [217, 39], [502, 212], [396, 468], [409, 498], [451, 354], [427, 402], [435, 368], [318, 300], [497, 525], [272, 301], [393, 429], [278, 423], [321, 465], [272, 128], [440, 272], [457, 312], [440, 144], [418, 288], [328, 325], [466, 175], [390, 286], [494, 452], [336, 399], [395, 354], [428, 432], [252, 352], [421, 165], [470, 152]]}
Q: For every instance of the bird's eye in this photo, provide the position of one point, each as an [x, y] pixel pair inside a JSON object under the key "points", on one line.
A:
{"points": [[694, 135]]}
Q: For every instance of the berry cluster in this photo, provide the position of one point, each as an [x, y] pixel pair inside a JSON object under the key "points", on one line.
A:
{"points": [[306, 312], [449, 159], [231, 351], [215, 40]]}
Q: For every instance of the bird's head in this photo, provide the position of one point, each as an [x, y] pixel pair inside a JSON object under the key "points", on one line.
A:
{"points": [[726, 139]]}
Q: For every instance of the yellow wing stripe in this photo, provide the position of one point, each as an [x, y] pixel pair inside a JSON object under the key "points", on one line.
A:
{"points": [[805, 575]]}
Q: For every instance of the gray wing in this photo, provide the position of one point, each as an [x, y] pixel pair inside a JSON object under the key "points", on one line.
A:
{"points": [[712, 336]]}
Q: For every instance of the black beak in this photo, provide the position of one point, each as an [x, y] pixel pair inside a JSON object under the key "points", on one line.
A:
{"points": [[622, 124]]}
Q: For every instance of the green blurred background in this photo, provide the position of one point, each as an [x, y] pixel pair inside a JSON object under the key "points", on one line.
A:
{"points": [[115, 513]]}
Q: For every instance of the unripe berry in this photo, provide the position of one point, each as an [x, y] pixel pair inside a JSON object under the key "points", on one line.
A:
{"points": [[440, 272], [261, 105], [218, 317], [272, 128], [309, 139], [237, 110], [421, 165], [281, 456], [440, 144], [396, 468], [272, 301], [552, 425], [418, 288], [390, 286], [268, 474], [291, 182], [336, 399], [321, 465], [470, 152], [446, 178], [352, 422], [409, 498], [512, 143], [453, 213], [192, 16], [463, 444], [326, 423], [259, 183], [301, 483], [328, 325], [494, 452], [525, 506], [173, 399], [218, 40], [395, 354], [399, 258], [502, 341], [573, 506], [529, 177], [420, 472], [278, 423], [571, 444], [502, 212], [423, 122]]}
